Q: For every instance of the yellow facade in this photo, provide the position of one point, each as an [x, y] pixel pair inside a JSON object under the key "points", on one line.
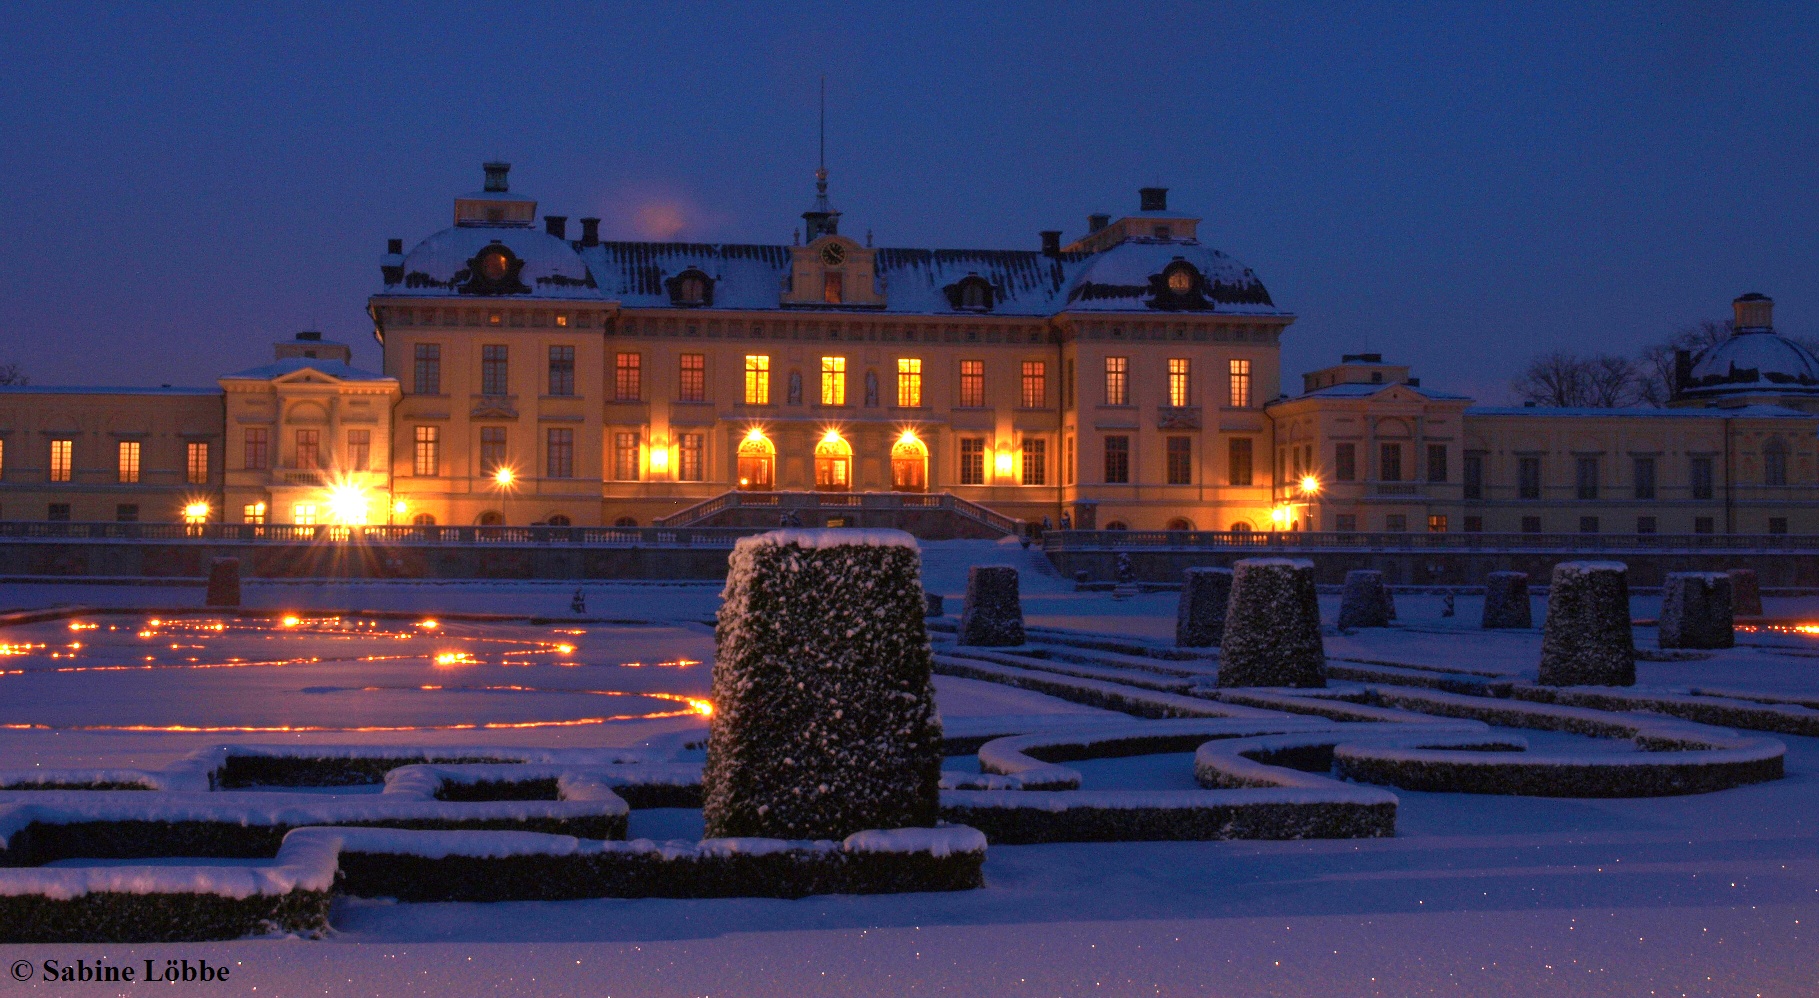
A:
{"points": [[110, 454]]}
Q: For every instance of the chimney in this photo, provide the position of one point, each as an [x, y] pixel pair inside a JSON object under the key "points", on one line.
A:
{"points": [[1096, 222], [1051, 242], [556, 225], [1683, 370], [395, 247], [1754, 313], [495, 176], [312, 336], [590, 232], [1153, 198], [391, 266]]}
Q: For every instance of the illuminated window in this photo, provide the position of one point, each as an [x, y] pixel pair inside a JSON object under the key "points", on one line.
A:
{"points": [[2, 457], [628, 377], [1035, 461], [61, 450], [1117, 460], [561, 319], [426, 458], [359, 449], [494, 371], [129, 461], [252, 512], [198, 463], [309, 449], [833, 463], [1178, 382], [757, 379], [756, 459], [561, 369], [492, 449], [626, 452], [1436, 523], [833, 289], [559, 457], [304, 514], [972, 384], [1180, 460], [427, 374], [1035, 384], [258, 448], [833, 381], [972, 461], [1240, 396], [909, 382], [690, 466], [1117, 381], [693, 380]]}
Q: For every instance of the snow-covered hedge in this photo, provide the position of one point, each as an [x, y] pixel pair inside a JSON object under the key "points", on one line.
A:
{"points": [[1200, 617], [1746, 592], [933, 605], [1696, 611], [639, 786], [993, 614], [1118, 696], [1701, 706], [1272, 626], [1365, 601], [824, 718], [1503, 766], [1586, 638], [1506, 602]]}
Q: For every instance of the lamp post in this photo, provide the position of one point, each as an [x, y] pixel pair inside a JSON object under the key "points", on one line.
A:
{"points": [[1310, 491]]}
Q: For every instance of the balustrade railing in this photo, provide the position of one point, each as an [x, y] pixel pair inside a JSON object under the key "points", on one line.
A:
{"points": [[284, 533], [1309, 540]]}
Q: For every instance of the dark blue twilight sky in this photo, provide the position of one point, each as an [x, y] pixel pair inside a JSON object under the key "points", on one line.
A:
{"points": [[1457, 185]]}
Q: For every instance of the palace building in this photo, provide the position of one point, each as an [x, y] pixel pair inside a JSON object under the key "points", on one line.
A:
{"points": [[1127, 379]]}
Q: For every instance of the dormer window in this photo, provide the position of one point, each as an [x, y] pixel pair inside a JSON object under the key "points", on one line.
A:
{"points": [[691, 289], [833, 288], [494, 271], [494, 263], [972, 294], [1181, 280]]}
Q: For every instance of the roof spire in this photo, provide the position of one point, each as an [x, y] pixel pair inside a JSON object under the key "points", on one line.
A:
{"points": [[822, 219]]}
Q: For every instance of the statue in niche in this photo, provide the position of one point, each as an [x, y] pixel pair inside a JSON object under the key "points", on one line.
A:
{"points": [[871, 389], [795, 388]]}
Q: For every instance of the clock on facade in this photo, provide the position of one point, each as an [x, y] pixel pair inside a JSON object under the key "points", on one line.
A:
{"points": [[833, 254]]}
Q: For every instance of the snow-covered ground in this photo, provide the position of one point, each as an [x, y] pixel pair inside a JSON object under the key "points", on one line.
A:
{"points": [[1714, 894]]}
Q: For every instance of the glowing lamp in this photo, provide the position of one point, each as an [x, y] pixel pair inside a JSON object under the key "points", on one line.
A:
{"points": [[1004, 461], [401, 507], [909, 437], [291, 621], [1279, 514], [504, 478], [831, 437], [755, 435], [1310, 484], [659, 458], [347, 503], [195, 512]]}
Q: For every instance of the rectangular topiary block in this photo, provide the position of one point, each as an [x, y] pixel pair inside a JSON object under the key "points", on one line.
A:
{"points": [[993, 614], [1365, 601], [1696, 611], [1272, 626], [1586, 639], [1506, 602], [1746, 592], [1200, 617], [824, 718]]}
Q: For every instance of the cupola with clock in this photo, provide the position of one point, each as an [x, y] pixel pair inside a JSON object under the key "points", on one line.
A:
{"points": [[830, 270]]}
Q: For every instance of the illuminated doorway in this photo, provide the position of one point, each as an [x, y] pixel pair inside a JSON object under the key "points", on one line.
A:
{"points": [[909, 465], [757, 461], [833, 464]]}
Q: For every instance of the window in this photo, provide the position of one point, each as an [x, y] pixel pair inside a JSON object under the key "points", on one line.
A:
{"points": [[426, 456], [972, 384], [1346, 523], [833, 288], [1645, 479], [692, 378], [129, 461], [304, 514], [427, 373], [757, 379], [492, 449], [1390, 464], [628, 377], [1035, 461], [1474, 477], [1774, 462], [1777, 524], [1067, 384], [1180, 460], [1178, 368], [1436, 523], [1588, 524], [197, 463], [626, 448], [1117, 460], [252, 512], [1702, 525], [833, 381], [1585, 478], [1700, 471], [58, 512], [1240, 395], [309, 449], [1531, 524], [258, 448], [1067, 461], [61, 451], [1345, 462], [1035, 384], [1436, 462], [1238, 460], [423, 520], [1117, 381], [493, 370], [1528, 479], [909, 382], [833, 464], [689, 450], [2, 455], [1474, 524], [974, 294], [1645, 524], [972, 460], [1396, 523], [559, 520], [359, 449], [562, 370], [559, 453], [126, 512]]}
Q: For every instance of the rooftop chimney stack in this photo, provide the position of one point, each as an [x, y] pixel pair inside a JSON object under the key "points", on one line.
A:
{"points": [[395, 247], [590, 232], [556, 225], [1096, 222], [495, 176], [1051, 242], [1755, 313], [1153, 198]]}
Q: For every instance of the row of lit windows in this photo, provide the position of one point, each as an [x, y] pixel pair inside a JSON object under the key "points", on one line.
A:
{"points": [[61, 461], [488, 317]]}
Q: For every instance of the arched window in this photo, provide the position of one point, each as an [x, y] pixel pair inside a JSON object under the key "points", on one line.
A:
{"points": [[833, 464], [757, 459], [972, 293], [558, 520], [1117, 525], [1774, 462], [691, 287], [491, 518], [626, 521], [1241, 527], [423, 520], [909, 465], [1180, 523]]}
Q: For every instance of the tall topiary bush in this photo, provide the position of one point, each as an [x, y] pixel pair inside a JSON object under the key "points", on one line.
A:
{"points": [[1200, 617], [1696, 611], [1506, 602], [824, 718], [1586, 638], [1272, 626], [1746, 592], [993, 614], [1365, 601]]}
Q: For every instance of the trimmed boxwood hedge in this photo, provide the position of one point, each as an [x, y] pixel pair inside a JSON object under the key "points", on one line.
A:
{"points": [[158, 918], [1074, 816]]}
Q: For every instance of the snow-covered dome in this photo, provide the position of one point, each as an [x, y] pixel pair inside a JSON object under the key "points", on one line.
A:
{"points": [[494, 260], [1172, 275], [1753, 360]]}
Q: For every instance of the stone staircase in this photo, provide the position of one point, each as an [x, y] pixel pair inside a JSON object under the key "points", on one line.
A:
{"points": [[928, 515]]}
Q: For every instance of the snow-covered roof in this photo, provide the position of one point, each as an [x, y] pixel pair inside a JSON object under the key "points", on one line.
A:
{"points": [[1753, 361], [1365, 389], [101, 390], [1741, 412], [1123, 278], [290, 365], [439, 266]]}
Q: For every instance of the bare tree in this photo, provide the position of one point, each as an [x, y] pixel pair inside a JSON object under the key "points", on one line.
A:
{"points": [[1656, 382], [12, 374], [1611, 382], [1554, 379]]}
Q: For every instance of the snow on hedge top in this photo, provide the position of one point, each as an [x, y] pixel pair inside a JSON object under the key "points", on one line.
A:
{"points": [[1277, 563], [1588, 567], [831, 537]]}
